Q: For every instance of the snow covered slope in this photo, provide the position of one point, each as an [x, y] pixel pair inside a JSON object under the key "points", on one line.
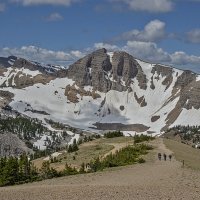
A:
{"points": [[131, 95]]}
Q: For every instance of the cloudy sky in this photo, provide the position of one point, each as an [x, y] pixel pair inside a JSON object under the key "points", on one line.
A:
{"points": [[62, 31]]}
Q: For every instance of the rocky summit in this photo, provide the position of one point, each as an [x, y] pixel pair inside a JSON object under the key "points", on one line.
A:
{"points": [[102, 91]]}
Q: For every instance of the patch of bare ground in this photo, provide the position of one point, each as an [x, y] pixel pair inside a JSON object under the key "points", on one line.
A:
{"points": [[152, 180]]}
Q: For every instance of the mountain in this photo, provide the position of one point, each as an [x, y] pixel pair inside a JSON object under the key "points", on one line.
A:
{"points": [[102, 91]]}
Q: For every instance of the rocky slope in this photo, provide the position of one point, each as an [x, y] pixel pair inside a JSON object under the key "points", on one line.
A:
{"points": [[103, 91]]}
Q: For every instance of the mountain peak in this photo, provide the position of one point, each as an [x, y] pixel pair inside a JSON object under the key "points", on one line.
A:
{"points": [[106, 87]]}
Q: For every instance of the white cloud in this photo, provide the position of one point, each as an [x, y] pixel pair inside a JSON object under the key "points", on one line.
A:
{"points": [[45, 2], [146, 50], [2, 7], [54, 17], [181, 58], [106, 46], [148, 5], [42, 55], [153, 31], [149, 51], [194, 36], [78, 54]]}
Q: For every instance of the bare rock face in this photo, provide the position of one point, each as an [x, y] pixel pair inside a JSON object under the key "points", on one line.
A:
{"points": [[11, 145], [155, 118], [92, 70], [80, 71], [71, 93], [123, 66], [5, 98], [97, 70], [6, 62], [2, 71], [21, 80], [164, 72], [186, 78], [189, 90], [140, 100], [22, 63], [48, 70], [190, 96], [17, 78], [141, 77]]}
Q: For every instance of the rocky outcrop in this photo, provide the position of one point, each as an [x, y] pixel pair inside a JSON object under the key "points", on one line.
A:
{"points": [[163, 71], [92, 70], [189, 90], [72, 93], [123, 66], [7, 62], [11, 145], [140, 100], [190, 96], [48, 70], [5, 98], [22, 63], [98, 71], [184, 79], [20, 80], [155, 118]]}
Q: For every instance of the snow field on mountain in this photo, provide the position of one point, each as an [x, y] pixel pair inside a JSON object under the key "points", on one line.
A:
{"points": [[12, 72], [193, 115], [51, 99]]}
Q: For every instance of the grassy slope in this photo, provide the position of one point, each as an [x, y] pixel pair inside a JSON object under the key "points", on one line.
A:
{"points": [[184, 152], [87, 152]]}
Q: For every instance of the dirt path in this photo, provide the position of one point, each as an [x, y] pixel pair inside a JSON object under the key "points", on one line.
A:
{"points": [[152, 180], [117, 147]]}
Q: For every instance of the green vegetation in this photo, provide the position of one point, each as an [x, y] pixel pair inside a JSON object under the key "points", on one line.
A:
{"points": [[28, 129], [126, 156], [25, 128], [142, 138], [56, 125], [113, 134], [88, 159], [16, 171], [186, 133], [73, 147], [85, 154]]}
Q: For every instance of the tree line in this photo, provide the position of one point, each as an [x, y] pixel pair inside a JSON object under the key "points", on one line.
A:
{"points": [[21, 170]]}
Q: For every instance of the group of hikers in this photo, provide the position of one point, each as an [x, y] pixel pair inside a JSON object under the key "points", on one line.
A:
{"points": [[170, 158], [164, 156]]}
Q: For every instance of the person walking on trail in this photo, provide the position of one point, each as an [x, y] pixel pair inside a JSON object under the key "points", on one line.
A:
{"points": [[170, 157], [159, 156], [165, 157], [183, 163]]}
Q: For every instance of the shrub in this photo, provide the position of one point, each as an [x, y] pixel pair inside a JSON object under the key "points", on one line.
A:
{"points": [[113, 134], [142, 138]]}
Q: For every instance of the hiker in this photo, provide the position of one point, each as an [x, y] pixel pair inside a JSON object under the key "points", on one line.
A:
{"points": [[165, 157], [170, 157], [159, 156], [183, 162]]}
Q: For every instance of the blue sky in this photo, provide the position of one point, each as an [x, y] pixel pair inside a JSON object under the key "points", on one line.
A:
{"points": [[61, 31]]}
